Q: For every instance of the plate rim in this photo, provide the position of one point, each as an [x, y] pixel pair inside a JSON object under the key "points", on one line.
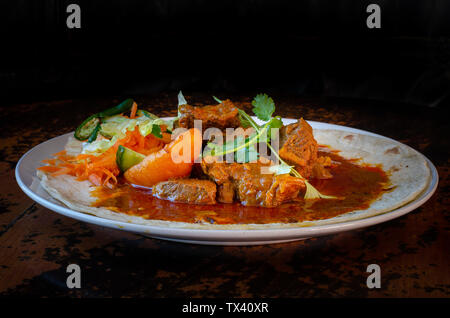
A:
{"points": [[239, 236]]}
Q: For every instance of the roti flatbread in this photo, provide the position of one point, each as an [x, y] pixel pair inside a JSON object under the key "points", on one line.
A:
{"points": [[408, 172]]}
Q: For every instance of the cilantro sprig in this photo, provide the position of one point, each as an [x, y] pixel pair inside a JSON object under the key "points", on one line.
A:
{"points": [[263, 108], [243, 149], [239, 145]]}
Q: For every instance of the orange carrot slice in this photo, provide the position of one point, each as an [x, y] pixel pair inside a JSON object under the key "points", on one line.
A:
{"points": [[175, 160], [133, 110]]}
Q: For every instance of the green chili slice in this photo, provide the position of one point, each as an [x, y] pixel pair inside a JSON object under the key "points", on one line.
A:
{"points": [[87, 127], [94, 134], [121, 108]]}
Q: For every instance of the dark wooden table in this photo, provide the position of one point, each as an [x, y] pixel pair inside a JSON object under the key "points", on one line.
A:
{"points": [[37, 245]]}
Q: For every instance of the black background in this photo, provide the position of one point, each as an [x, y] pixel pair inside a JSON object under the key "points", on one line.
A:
{"points": [[299, 48]]}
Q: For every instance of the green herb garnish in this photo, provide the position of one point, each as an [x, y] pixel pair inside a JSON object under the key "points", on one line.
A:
{"points": [[263, 108], [217, 100], [156, 131]]}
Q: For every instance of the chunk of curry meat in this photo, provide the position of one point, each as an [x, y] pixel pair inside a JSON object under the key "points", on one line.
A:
{"points": [[221, 116], [299, 148], [251, 184]]}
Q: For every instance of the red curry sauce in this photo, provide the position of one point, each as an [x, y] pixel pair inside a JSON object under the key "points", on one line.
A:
{"points": [[355, 185]]}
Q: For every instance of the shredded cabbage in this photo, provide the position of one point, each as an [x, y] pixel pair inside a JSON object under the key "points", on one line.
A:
{"points": [[146, 126], [116, 127], [98, 146]]}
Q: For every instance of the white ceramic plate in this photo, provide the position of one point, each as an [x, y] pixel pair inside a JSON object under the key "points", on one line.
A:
{"points": [[28, 182]]}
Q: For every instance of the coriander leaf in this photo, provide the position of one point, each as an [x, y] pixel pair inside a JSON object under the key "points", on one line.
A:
{"points": [[149, 126], [276, 122], [246, 120], [245, 123], [263, 106], [156, 131]]}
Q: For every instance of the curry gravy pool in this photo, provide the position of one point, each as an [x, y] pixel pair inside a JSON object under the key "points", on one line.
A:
{"points": [[355, 185]]}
